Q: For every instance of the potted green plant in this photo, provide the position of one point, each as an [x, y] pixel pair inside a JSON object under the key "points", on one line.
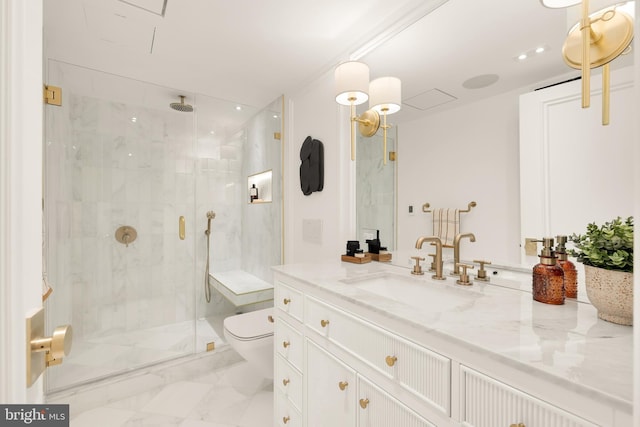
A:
{"points": [[607, 254]]}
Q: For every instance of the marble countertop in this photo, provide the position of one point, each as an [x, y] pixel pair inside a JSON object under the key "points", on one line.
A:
{"points": [[567, 344]]}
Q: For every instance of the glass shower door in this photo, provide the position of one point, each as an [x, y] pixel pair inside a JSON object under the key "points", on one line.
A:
{"points": [[117, 156]]}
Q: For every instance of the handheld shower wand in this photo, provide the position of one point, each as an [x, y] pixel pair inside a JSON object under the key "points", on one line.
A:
{"points": [[207, 287]]}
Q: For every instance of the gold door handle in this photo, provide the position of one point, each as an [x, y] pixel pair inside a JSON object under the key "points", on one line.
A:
{"points": [[391, 360], [324, 323], [364, 403], [285, 382], [270, 319], [286, 344], [285, 419], [286, 301]]}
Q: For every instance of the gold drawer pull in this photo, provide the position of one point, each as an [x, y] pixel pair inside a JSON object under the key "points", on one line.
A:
{"points": [[285, 382], [324, 323], [270, 319], [518, 425], [343, 385], [364, 403], [285, 419], [391, 360], [286, 344], [286, 301]]}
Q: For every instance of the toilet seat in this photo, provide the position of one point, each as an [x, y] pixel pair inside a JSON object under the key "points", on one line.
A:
{"points": [[250, 326]]}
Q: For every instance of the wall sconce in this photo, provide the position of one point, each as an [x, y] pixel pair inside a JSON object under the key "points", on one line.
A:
{"points": [[595, 41], [384, 95]]}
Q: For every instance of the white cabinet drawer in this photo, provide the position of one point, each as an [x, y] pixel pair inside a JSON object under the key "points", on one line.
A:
{"points": [[288, 380], [379, 409], [421, 371], [284, 413], [288, 300], [288, 343], [486, 402]]}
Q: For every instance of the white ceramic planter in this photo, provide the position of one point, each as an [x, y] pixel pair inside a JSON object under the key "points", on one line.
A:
{"points": [[611, 292]]}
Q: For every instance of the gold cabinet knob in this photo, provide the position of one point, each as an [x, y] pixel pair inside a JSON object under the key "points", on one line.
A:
{"points": [[270, 319], [286, 301], [518, 425], [286, 344], [324, 323], [286, 419], [364, 403], [285, 382], [343, 385], [391, 360]]}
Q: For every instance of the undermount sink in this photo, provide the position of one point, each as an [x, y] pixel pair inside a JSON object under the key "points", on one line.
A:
{"points": [[419, 292]]}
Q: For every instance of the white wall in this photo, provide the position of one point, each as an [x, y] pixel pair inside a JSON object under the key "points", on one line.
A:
{"points": [[313, 111], [451, 158], [20, 190]]}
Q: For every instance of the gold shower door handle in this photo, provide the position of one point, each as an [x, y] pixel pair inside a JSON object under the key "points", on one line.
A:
{"points": [[181, 227]]}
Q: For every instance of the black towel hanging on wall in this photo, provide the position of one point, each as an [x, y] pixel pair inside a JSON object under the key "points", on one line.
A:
{"points": [[312, 166]]}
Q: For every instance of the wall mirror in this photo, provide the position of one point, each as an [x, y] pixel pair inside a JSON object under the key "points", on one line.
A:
{"points": [[376, 189]]}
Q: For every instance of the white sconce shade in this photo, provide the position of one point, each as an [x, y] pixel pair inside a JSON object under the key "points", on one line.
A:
{"points": [[385, 95], [352, 83], [555, 4]]}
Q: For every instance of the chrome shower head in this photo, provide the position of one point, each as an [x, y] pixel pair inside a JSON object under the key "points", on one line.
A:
{"points": [[181, 106]]}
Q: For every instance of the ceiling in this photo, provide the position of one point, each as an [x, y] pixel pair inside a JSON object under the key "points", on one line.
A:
{"points": [[250, 52]]}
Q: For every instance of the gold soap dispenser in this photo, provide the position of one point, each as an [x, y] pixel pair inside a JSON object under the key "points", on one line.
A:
{"points": [[548, 276], [570, 271]]}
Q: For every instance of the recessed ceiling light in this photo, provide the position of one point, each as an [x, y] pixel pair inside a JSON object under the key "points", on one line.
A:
{"points": [[238, 108], [275, 116], [212, 132], [540, 49], [522, 56], [134, 119]]}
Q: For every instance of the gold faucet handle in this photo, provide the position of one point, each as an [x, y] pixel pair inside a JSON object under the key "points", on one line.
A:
{"points": [[417, 269], [433, 262], [464, 277], [482, 273]]}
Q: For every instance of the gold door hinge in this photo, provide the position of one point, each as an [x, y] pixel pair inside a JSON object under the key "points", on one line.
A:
{"points": [[52, 95]]}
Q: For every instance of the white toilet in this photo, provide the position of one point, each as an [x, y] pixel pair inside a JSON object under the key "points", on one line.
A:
{"points": [[251, 335]]}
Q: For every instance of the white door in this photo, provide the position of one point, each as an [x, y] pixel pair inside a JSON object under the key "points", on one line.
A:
{"points": [[20, 190]]}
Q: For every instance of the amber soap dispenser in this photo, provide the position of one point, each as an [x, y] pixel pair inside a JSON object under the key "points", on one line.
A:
{"points": [[570, 271], [548, 276]]}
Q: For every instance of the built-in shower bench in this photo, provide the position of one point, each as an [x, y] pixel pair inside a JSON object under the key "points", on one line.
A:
{"points": [[240, 287]]}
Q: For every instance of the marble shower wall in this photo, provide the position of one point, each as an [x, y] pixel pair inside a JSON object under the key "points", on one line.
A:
{"points": [[105, 170]]}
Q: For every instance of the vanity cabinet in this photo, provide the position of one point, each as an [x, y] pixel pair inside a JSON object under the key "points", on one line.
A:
{"points": [[341, 362]]}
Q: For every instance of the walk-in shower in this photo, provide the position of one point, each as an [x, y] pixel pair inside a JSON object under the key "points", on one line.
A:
{"points": [[117, 154]]}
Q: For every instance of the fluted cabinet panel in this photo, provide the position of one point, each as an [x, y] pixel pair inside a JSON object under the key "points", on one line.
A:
{"points": [[491, 403], [425, 373], [377, 408]]}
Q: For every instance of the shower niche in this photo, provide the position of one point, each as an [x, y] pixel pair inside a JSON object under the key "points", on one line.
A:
{"points": [[259, 187]]}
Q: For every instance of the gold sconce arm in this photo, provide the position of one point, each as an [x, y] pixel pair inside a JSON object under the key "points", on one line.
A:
{"points": [[597, 40]]}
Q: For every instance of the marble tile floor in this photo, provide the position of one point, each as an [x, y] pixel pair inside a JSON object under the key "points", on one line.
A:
{"points": [[102, 356], [227, 396]]}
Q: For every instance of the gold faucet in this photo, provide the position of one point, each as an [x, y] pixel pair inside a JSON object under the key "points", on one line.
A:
{"points": [[456, 251], [438, 258]]}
